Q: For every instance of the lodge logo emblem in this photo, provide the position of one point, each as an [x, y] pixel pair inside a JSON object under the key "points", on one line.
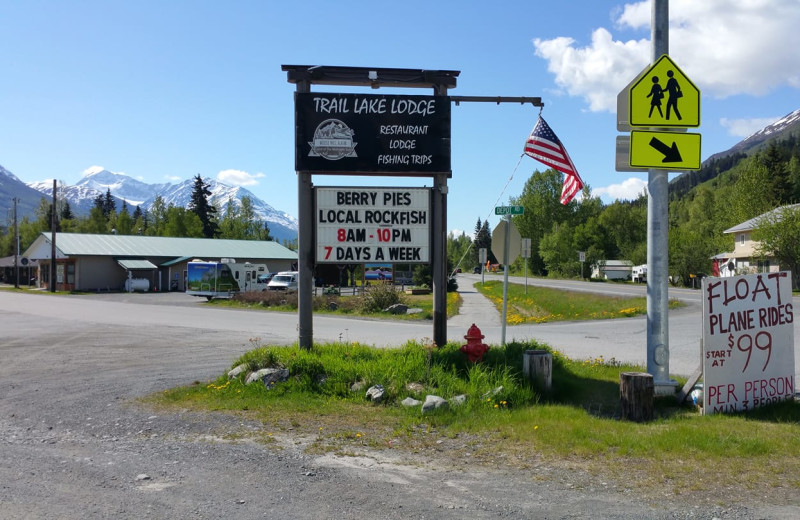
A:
{"points": [[333, 140]]}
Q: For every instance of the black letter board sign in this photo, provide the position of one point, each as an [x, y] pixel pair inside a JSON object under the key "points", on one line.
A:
{"points": [[367, 133]]}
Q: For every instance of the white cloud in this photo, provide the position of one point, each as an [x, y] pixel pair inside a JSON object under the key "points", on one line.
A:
{"points": [[239, 177], [629, 189], [725, 47], [173, 178], [746, 127]]}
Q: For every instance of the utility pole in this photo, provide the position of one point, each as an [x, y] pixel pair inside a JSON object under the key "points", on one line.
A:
{"points": [[53, 222], [16, 247]]}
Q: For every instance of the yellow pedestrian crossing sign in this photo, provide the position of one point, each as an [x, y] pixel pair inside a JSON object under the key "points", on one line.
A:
{"points": [[664, 97]]}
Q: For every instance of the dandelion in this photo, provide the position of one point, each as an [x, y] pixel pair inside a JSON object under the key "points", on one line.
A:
{"points": [[536, 427], [497, 406], [358, 435]]}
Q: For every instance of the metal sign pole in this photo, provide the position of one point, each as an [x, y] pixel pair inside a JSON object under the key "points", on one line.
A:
{"points": [[506, 253], [657, 238]]}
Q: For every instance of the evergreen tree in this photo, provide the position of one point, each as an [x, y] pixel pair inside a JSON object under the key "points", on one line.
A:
{"points": [[109, 204], [205, 211], [66, 212]]}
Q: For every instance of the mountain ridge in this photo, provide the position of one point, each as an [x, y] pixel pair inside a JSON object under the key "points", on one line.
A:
{"points": [[97, 182]]}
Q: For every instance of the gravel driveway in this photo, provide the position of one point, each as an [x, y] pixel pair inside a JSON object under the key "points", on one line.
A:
{"points": [[75, 444]]}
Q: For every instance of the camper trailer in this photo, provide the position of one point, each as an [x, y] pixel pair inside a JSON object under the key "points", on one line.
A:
{"points": [[225, 278], [639, 273]]}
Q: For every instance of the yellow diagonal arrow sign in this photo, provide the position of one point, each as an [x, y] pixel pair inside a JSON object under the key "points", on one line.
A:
{"points": [[665, 150]]}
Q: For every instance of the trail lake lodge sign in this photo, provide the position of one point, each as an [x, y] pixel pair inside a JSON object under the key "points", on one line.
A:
{"points": [[358, 225], [372, 134]]}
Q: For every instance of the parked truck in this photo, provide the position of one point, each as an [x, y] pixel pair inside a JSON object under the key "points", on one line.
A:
{"points": [[225, 278]]}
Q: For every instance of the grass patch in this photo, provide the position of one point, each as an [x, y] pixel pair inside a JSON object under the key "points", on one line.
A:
{"points": [[343, 305], [504, 421], [542, 304]]}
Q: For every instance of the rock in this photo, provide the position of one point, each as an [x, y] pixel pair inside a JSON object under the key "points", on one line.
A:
{"points": [[332, 306], [458, 400], [434, 402], [413, 310], [492, 393], [376, 393], [142, 476], [417, 388], [237, 371], [269, 376], [397, 308], [410, 401], [357, 386]]}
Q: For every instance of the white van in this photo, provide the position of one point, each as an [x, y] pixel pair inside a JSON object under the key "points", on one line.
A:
{"points": [[283, 281]]}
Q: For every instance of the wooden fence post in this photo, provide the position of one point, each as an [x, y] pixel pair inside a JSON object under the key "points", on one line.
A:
{"points": [[636, 391], [537, 367]]}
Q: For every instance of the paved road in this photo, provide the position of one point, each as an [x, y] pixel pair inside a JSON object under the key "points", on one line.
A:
{"points": [[73, 443]]}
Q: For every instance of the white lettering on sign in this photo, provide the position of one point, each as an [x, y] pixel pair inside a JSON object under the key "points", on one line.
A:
{"points": [[748, 341], [356, 225]]}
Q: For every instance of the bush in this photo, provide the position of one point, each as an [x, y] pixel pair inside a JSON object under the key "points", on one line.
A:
{"points": [[378, 297]]}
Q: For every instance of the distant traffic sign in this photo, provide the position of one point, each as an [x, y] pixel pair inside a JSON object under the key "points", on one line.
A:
{"points": [[665, 150], [509, 210], [664, 97]]}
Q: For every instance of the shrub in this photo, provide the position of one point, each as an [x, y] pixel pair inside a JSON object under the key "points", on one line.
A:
{"points": [[378, 297]]}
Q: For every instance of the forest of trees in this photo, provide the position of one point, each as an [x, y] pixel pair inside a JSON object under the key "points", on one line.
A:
{"points": [[726, 192], [200, 220]]}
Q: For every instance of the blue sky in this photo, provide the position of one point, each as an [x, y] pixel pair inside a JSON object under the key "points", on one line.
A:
{"points": [[164, 90]]}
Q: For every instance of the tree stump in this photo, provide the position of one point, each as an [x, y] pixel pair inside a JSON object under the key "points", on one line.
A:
{"points": [[537, 367], [636, 391]]}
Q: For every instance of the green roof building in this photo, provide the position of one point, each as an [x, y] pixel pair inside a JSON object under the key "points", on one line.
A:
{"points": [[88, 262]]}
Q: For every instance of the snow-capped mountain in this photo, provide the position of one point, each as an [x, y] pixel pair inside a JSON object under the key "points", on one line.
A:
{"points": [[82, 195], [783, 126]]}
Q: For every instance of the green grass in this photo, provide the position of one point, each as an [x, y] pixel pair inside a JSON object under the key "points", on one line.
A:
{"points": [[542, 305], [504, 419]]}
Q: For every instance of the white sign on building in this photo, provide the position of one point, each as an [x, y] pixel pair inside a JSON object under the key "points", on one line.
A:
{"points": [[358, 225], [748, 341]]}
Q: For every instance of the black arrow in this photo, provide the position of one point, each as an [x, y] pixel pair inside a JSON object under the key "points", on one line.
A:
{"points": [[671, 154]]}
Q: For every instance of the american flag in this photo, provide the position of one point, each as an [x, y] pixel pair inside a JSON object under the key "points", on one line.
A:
{"points": [[544, 146]]}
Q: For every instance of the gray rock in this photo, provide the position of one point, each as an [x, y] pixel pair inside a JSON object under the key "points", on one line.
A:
{"points": [[417, 388], [332, 306], [376, 393], [142, 476], [413, 310], [434, 402], [458, 400], [410, 401], [397, 308], [237, 371], [357, 386], [492, 393], [269, 376]]}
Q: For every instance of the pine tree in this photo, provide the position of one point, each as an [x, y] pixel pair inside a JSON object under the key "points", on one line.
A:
{"points": [[109, 204], [200, 206]]}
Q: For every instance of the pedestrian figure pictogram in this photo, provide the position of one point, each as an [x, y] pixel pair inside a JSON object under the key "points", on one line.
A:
{"points": [[663, 96], [674, 91], [655, 95]]}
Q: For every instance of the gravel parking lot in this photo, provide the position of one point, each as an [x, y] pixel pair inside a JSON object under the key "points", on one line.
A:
{"points": [[74, 443]]}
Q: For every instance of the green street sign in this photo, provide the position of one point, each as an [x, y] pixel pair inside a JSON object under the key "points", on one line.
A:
{"points": [[509, 210]]}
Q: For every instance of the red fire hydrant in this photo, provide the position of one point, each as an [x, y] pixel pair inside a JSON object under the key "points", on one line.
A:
{"points": [[474, 349]]}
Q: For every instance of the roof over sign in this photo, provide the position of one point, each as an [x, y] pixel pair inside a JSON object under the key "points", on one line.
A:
{"points": [[80, 244], [136, 264]]}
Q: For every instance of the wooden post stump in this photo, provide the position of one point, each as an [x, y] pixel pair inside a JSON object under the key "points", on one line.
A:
{"points": [[537, 367], [636, 391]]}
